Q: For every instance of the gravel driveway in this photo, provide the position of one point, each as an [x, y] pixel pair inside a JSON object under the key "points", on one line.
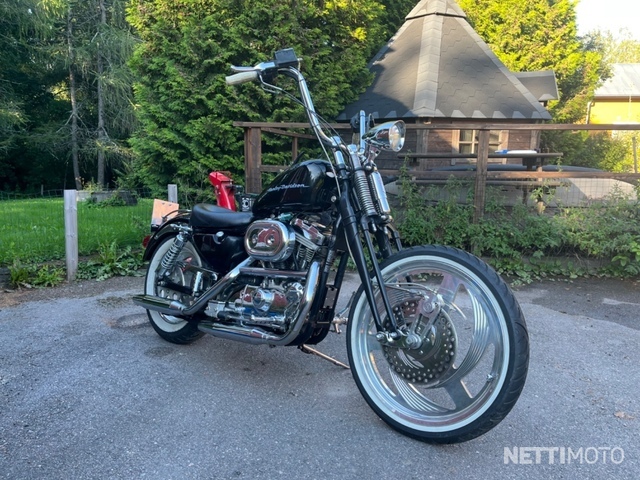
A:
{"points": [[89, 391]]}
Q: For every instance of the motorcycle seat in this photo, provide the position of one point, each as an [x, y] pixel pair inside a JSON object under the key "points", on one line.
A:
{"points": [[207, 215]]}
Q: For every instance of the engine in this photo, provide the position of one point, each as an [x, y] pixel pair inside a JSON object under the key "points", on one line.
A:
{"points": [[285, 249], [269, 240], [275, 242]]}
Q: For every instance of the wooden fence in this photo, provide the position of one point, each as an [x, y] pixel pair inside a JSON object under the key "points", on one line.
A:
{"points": [[480, 177]]}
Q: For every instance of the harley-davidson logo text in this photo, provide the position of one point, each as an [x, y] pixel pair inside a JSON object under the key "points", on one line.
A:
{"points": [[286, 187]]}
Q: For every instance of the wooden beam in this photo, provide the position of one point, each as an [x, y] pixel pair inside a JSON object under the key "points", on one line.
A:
{"points": [[253, 159], [294, 149], [284, 125], [272, 168], [461, 126], [284, 133], [502, 183], [498, 175], [481, 175]]}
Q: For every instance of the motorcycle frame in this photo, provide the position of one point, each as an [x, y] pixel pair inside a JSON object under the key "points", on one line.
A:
{"points": [[356, 223], [353, 223], [262, 277]]}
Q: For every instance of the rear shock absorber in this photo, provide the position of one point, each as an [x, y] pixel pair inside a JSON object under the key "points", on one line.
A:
{"points": [[170, 258]]}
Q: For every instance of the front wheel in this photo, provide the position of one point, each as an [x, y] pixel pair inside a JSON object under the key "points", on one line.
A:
{"points": [[467, 360]]}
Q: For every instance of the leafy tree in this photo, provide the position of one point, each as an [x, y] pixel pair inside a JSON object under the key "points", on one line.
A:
{"points": [[394, 15], [602, 150], [186, 110], [616, 49], [534, 35]]}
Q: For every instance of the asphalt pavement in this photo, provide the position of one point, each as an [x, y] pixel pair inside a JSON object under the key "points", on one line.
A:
{"points": [[89, 391]]}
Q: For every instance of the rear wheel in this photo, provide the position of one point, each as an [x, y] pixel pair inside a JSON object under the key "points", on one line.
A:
{"points": [[173, 329], [469, 366]]}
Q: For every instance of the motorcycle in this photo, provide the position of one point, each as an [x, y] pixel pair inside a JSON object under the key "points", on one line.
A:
{"points": [[436, 341]]}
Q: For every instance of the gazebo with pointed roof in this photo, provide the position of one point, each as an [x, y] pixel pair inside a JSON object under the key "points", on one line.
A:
{"points": [[438, 67]]}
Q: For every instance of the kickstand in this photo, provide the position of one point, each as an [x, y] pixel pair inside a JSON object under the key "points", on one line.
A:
{"points": [[308, 349]]}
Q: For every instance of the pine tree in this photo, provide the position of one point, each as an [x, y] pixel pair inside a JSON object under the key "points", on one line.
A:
{"points": [[91, 39], [185, 109], [28, 107]]}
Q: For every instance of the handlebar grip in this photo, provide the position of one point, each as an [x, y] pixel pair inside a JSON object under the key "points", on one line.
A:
{"points": [[242, 77]]}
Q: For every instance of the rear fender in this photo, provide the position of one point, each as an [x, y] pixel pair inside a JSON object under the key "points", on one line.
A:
{"points": [[167, 228]]}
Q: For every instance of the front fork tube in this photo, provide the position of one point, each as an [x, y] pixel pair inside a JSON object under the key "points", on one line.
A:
{"points": [[395, 237], [387, 238], [350, 224]]}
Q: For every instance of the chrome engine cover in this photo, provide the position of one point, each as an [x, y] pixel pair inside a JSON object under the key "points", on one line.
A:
{"points": [[272, 306], [269, 241], [271, 297]]}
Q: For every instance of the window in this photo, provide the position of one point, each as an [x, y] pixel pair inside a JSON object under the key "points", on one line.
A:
{"points": [[468, 141]]}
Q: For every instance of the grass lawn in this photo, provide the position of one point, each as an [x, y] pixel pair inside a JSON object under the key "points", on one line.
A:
{"points": [[32, 230]]}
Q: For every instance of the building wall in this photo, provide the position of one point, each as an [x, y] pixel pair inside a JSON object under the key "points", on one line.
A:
{"points": [[617, 111], [446, 142]]}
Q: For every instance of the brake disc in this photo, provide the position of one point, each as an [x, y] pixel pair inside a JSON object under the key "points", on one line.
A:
{"points": [[434, 358]]}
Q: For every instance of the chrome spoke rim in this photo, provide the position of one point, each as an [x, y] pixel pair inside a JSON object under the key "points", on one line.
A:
{"points": [[471, 384]]}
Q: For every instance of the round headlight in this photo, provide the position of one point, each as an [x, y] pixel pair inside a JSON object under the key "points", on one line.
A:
{"points": [[396, 136], [388, 136]]}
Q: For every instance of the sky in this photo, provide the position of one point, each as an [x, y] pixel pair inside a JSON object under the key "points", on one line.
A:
{"points": [[611, 15]]}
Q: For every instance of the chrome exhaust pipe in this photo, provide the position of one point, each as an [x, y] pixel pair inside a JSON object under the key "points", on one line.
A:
{"points": [[234, 332], [173, 307], [239, 334], [159, 304]]}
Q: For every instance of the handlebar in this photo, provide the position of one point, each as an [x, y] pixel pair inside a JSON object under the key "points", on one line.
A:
{"points": [[249, 74], [242, 77]]}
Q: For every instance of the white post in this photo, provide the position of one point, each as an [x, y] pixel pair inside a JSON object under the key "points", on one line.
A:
{"points": [[71, 232], [173, 193]]}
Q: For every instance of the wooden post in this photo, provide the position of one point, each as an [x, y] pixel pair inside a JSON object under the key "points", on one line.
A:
{"points": [[172, 193], [481, 174], [634, 142], [422, 146], [294, 148], [71, 232], [253, 159]]}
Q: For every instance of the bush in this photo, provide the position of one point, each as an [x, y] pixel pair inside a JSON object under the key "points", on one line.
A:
{"points": [[612, 153], [32, 275], [520, 241], [111, 261]]}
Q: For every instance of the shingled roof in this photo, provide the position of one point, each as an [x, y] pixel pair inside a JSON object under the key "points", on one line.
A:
{"points": [[437, 66], [542, 84], [624, 82]]}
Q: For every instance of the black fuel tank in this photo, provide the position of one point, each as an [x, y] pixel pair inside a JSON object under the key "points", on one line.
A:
{"points": [[307, 186]]}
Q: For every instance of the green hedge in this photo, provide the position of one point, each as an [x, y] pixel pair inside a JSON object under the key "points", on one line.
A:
{"points": [[602, 238]]}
